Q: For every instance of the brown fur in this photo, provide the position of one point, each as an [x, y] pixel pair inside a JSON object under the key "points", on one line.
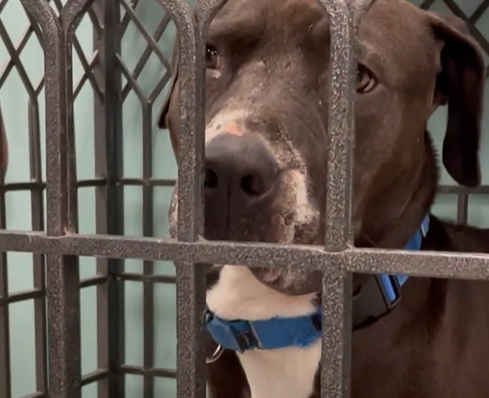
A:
{"points": [[275, 62]]}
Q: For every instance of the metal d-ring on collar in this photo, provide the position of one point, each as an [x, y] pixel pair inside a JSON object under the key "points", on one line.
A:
{"points": [[215, 355]]}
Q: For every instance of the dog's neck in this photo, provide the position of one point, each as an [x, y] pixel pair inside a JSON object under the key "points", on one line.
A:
{"points": [[392, 218], [291, 372], [284, 373]]}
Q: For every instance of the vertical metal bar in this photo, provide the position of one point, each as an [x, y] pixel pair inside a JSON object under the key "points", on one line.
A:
{"points": [[63, 327], [148, 267], [337, 283], [109, 198], [191, 368], [55, 68], [62, 274], [5, 371], [191, 124], [37, 215], [337, 292], [462, 208], [101, 208], [337, 329], [341, 127], [71, 179], [190, 281]]}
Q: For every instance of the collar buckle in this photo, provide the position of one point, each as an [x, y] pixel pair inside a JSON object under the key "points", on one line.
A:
{"points": [[246, 339], [238, 335]]}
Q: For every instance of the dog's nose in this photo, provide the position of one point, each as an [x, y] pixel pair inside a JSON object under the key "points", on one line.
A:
{"points": [[239, 165]]}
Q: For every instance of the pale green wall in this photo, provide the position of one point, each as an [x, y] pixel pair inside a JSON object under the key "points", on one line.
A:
{"points": [[14, 105]]}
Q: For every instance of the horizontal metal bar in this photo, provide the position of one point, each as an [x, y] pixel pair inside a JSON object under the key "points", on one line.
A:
{"points": [[39, 293], [423, 263], [93, 281], [35, 395], [155, 372], [95, 182], [168, 182], [133, 277], [94, 376], [23, 295], [458, 189]]}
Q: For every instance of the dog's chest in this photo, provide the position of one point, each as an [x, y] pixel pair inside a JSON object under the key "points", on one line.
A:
{"points": [[279, 373], [284, 373]]}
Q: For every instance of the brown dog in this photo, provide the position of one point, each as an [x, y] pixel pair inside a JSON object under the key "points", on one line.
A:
{"points": [[266, 118]]}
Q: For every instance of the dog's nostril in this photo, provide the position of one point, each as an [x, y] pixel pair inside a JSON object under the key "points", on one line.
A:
{"points": [[239, 168], [211, 181], [251, 185]]}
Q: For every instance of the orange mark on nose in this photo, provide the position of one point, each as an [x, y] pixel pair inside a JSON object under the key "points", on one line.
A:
{"points": [[232, 128]]}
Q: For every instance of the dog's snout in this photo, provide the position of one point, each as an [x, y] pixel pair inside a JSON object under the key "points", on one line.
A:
{"points": [[239, 166]]}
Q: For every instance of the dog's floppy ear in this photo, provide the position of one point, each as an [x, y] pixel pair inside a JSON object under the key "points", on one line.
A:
{"points": [[169, 114], [460, 83]]}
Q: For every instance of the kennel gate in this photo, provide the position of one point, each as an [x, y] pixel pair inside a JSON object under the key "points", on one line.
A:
{"points": [[59, 246]]}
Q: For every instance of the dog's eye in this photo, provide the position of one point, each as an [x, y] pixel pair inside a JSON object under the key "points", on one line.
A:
{"points": [[211, 57], [366, 80]]}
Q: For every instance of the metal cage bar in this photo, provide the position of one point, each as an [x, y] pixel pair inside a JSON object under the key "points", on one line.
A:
{"points": [[38, 264], [109, 199], [5, 371]]}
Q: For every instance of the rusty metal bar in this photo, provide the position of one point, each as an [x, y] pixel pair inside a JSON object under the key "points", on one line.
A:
{"points": [[191, 368], [141, 371], [462, 208], [340, 126], [5, 365], [109, 197], [5, 372], [336, 300], [336, 340], [191, 124], [166, 182], [101, 208], [423, 263], [36, 395], [62, 280], [63, 328], [55, 80], [38, 263], [479, 11], [148, 266], [190, 279]]}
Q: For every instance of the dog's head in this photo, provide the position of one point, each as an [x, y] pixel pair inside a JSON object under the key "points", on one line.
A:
{"points": [[267, 114]]}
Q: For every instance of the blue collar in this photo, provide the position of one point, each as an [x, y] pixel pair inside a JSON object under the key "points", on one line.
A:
{"points": [[379, 296]]}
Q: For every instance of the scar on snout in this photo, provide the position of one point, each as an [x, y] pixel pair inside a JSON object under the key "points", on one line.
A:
{"points": [[233, 129]]}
